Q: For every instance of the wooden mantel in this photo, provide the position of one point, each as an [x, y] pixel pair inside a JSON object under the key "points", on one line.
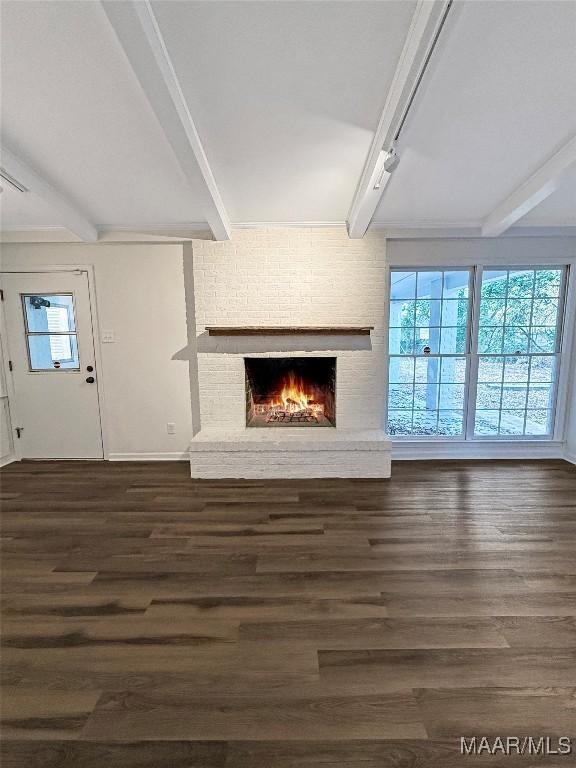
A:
{"points": [[287, 330]]}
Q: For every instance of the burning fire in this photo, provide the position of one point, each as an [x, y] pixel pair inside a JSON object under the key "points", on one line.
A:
{"points": [[293, 393], [290, 401]]}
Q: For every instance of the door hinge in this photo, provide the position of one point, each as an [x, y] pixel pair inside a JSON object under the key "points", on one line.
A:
{"points": [[1, 295], [19, 431], [10, 366]]}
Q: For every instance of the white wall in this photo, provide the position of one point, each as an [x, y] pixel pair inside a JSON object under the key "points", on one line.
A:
{"points": [[140, 297], [571, 421], [502, 250]]}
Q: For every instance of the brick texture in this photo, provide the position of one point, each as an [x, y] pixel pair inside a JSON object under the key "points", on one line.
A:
{"points": [[291, 276]]}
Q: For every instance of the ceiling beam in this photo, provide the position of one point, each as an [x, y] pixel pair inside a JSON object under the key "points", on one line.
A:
{"points": [[137, 30], [529, 194], [65, 211], [420, 40]]}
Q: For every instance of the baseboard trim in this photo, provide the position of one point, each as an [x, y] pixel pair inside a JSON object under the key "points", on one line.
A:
{"points": [[8, 460], [571, 457], [175, 456], [418, 450]]}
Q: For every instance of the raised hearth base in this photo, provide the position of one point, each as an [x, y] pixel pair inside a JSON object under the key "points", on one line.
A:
{"points": [[266, 454]]}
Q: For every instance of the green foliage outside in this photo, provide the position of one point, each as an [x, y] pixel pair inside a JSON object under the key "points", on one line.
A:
{"points": [[517, 314]]}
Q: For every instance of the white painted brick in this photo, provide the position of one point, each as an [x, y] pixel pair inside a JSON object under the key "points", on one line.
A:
{"points": [[292, 277]]}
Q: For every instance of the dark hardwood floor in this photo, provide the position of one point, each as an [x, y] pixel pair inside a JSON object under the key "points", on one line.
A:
{"points": [[154, 622]]}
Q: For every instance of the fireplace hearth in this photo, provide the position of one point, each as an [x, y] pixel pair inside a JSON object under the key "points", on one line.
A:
{"points": [[290, 391]]}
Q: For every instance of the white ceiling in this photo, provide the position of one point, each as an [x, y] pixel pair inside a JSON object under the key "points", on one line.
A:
{"points": [[286, 97], [73, 109], [499, 102]]}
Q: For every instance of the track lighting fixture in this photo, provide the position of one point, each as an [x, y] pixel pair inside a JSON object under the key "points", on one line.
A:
{"points": [[392, 160]]}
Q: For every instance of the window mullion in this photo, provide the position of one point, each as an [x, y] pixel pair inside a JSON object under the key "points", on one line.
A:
{"points": [[472, 367]]}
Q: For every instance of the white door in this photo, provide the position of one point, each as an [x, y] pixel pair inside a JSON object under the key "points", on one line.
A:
{"points": [[51, 347]]}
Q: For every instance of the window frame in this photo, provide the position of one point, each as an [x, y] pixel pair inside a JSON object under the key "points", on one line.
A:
{"points": [[564, 342], [466, 354], [557, 354]]}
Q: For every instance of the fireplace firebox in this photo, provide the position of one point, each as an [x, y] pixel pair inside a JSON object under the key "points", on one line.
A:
{"points": [[290, 391]]}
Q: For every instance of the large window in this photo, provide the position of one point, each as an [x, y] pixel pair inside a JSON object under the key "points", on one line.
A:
{"points": [[518, 343], [474, 353]]}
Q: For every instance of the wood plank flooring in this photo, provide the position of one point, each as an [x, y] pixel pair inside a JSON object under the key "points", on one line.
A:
{"points": [[150, 621]]}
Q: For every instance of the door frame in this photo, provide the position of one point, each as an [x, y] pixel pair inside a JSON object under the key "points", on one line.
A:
{"points": [[88, 269], [15, 455]]}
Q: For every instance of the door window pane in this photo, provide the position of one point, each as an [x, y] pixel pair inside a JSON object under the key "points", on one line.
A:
{"points": [[53, 353], [50, 331], [50, 312]]}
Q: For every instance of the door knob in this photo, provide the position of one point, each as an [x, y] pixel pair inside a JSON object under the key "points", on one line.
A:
{"points": [[90, 380]]}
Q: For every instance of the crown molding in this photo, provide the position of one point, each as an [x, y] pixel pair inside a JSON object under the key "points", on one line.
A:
{"points": [[186, 231], [287, 224], [422, 229]]}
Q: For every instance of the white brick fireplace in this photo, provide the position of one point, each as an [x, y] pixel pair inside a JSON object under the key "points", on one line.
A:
{"points": [[283, 278]]}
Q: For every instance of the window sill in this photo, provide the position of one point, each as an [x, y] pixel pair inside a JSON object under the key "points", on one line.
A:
{"points": [[477, 449]]}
